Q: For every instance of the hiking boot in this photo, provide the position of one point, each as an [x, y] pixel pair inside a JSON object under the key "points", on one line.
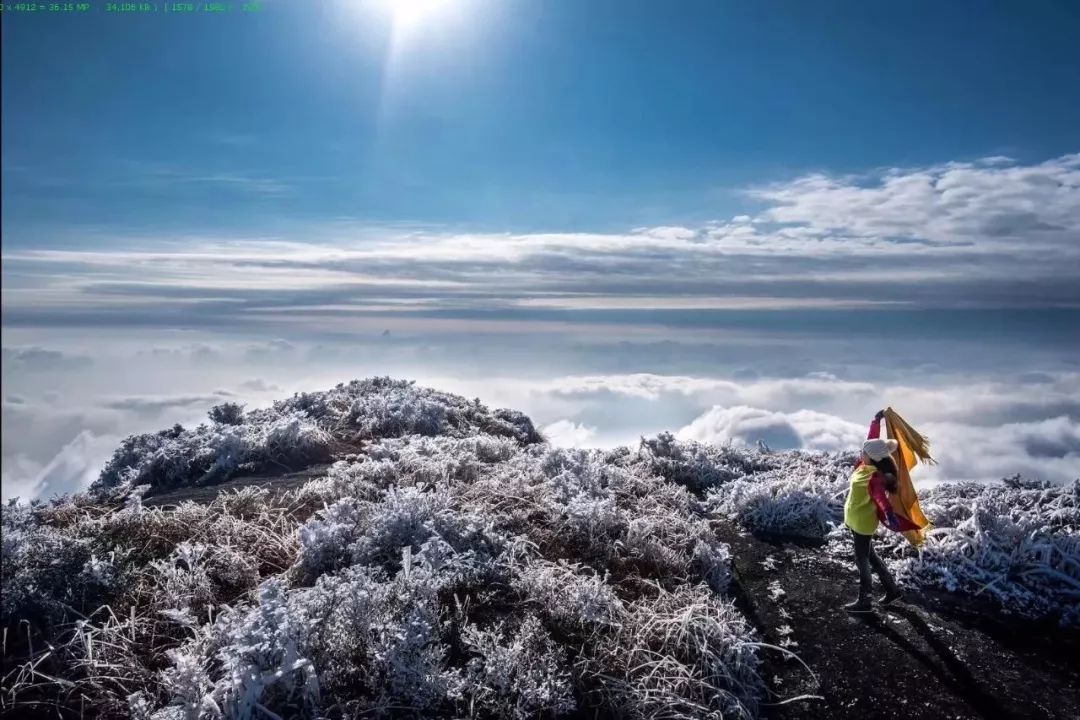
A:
{"points": [[862, 605], [890, 596]]}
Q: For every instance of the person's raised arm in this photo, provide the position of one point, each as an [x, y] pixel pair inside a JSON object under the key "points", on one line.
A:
{"points": [[875, 426]]}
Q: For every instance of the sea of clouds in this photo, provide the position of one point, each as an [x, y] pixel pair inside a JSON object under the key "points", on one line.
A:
{"points": [[948, 292]]}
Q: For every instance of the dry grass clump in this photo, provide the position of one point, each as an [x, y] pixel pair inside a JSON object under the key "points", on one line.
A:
{"points": [[682, 654]]}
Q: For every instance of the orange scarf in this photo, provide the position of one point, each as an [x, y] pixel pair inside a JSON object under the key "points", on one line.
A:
{"points": [[912, 448]]}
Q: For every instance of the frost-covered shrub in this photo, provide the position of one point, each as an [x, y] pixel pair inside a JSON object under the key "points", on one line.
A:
{"points": [[713, 562], [294, 440], [430, 524], [228, 413], [1017, 544], [493, 449], [213, 453], [802, 498], [683, 654], [511, 424], [404, 518], [396, 412], [182, 581], [699, 466], [518, 674], [47, 571], [380, 641], [196, 576], [252, 659], [568, 595], [382, 407], [244, 502], [306, 429], [361, 480], [327, 540]]}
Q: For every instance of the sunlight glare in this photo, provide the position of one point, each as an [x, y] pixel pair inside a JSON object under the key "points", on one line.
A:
{"points": [[409, 13]]}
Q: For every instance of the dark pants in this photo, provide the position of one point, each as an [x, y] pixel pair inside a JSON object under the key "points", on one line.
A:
{"points": [[865, 558]]}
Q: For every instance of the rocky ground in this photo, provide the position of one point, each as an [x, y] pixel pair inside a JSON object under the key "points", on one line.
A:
{"points": [[932, 656]]}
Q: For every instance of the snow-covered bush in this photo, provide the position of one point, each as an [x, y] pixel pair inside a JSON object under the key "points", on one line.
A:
{"points": [[249, 660], [383, 407], [804, 497], [305, 429], [1017, 544], [431, 524], [49, 574], [361, 480], [568, 595], [682, 654], [228, 413], [699, 466], [327, 540], [520, 673], [197, 576], [244, 502], [380, 641]]}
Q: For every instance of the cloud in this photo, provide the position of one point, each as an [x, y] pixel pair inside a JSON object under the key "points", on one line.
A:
{"points": [[802, 430], [1047, 449], [60, 444], [989, 233], [259, 385], [71, 470], [1016, 414], [194, 352], [271, 348], [37, 359], [962, 205], [947, 291], [564, 433], [154, 406]]}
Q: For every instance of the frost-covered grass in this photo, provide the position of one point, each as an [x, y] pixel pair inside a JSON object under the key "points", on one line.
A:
{"points": [[453, 566], [802, 496], [456, 566], [1016, 544]]}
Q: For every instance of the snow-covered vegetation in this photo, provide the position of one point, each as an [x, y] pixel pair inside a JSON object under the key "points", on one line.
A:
{"points": [[306, 428], [452, 564], [1016, 544]]}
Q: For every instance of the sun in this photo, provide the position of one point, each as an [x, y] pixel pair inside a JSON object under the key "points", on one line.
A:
{"points": [[409, 13]]}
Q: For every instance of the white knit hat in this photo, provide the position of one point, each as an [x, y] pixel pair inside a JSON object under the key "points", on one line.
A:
{"points": [[878, 449]]}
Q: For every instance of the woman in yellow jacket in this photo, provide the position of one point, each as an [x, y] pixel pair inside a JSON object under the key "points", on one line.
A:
{"points": [[867, 505]]}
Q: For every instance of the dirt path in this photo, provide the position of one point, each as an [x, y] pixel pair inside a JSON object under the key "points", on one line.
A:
{"points": [[927, 658], [277, 484]]}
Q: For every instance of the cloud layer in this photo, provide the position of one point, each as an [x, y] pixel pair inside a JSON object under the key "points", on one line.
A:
{"points": [[948, 291], [988, 234]]}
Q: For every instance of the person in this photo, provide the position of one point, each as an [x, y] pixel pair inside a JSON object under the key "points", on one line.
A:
{"points": [[867, 505]]}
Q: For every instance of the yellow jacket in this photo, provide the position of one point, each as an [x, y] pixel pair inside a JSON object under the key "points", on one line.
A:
{"points": [[860, 514]]}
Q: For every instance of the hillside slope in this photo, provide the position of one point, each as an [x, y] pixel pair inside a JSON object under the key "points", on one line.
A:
{"points": [[387, 550]]}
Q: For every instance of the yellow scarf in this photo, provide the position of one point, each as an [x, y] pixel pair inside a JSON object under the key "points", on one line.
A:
{"points": [[913, 447]]}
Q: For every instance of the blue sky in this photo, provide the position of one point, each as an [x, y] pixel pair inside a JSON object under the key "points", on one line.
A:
{"points": [[508, 115], [726, 219]]}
